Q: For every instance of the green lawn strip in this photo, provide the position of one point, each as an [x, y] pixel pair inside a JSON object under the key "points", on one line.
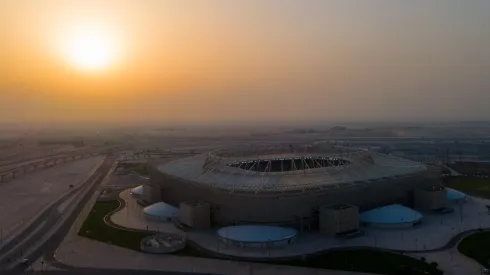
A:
{"points": [[95, 228], [472, 186], [476, 246], [369, 261], [361, 260], [141, 169]]}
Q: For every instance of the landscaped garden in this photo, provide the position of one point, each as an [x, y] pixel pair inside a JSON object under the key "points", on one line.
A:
{"points": [[95, 228], [478, 187], [369, 261], [476, 247], [361, 260]]}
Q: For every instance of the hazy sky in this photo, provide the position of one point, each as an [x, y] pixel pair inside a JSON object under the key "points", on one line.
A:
{"points": [[255, 60]]}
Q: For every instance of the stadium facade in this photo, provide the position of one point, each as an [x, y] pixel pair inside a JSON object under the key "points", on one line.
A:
{"points": [[286, 184]]}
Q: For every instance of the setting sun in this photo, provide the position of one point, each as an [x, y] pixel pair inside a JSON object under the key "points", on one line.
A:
{"points": [[90, 49]]}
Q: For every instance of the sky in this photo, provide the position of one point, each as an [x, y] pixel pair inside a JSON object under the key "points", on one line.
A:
{"points": [[254, 61]]}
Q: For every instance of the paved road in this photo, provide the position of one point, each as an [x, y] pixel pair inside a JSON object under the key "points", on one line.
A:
{"points": [[95, 271], [49, 216], [48, 248], [26, 240], [41, 158]]}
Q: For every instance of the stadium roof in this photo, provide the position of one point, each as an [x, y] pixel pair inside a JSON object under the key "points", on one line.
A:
{"points": [[391, 214], [162, 210], [364, 167], [256, 233]]}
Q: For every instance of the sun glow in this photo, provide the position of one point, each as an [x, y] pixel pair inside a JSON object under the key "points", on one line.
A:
{"points": [[91, 49]]}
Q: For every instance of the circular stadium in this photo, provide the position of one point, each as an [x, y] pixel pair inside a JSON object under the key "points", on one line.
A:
{"points": [[286, 184]]}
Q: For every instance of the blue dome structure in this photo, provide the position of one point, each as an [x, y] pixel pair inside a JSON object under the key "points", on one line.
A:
{"points": [[455, 196], [391, 216], [257, 235]]}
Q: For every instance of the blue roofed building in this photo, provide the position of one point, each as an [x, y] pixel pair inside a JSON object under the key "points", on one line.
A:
{"points": [[454, 196], [257, 235], [391, 216]]}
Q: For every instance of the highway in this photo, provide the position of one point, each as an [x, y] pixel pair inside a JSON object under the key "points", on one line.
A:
{"points": [[26, 244], [23, 244], [95, 271]]}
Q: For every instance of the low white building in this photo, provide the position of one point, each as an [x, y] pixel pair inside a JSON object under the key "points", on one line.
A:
{"points": [[161, 211]]}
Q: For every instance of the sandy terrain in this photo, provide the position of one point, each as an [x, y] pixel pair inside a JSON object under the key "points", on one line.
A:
{"points": [[22, 198]]}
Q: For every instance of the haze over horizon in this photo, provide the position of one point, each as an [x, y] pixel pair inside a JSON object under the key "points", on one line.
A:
{"points": [[210, 62]]}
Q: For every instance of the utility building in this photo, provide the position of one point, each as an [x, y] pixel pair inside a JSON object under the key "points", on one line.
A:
{"points": [[195, 214], [339, 218], [432, 198]]}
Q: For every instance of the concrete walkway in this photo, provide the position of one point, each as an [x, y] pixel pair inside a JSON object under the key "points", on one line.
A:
{"points": [[435, 233], [82, 252], [452, 262], [89, 253], [132, 216]]}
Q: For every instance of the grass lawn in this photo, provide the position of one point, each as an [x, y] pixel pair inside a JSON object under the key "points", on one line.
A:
{"points": [[472, 186], [476, 247], [95, 228], [141, 169], [369, 261], [361, 260]]}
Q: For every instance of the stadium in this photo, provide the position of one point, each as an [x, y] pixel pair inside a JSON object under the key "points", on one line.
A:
{"points": [[293, 185]]}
